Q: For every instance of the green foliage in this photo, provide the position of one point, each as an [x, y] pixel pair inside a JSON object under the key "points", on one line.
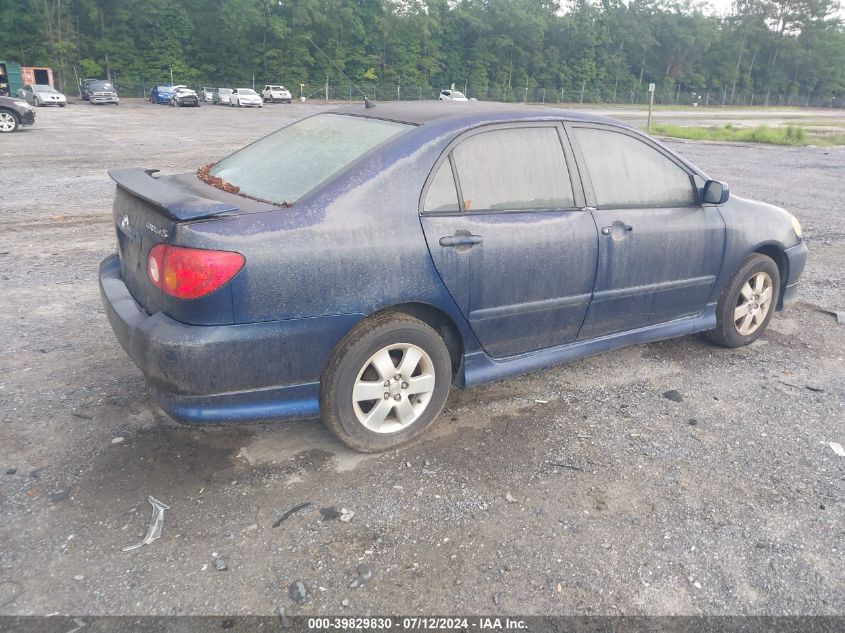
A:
{"points": [[783, 135], [772, 51]]}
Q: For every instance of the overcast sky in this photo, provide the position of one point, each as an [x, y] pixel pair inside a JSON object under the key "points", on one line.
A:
{"points": [[721, 6]]}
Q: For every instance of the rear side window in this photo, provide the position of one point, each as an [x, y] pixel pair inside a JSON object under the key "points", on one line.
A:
{"points": [[514, 169], [287, 164], [627, 172], [442, 194]]}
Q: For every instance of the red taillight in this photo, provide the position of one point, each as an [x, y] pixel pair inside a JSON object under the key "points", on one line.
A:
{"points": [[190, 273]]}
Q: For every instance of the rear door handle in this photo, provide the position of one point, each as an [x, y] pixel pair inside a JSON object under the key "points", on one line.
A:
{"points": [[607, 230], [460, 240]]}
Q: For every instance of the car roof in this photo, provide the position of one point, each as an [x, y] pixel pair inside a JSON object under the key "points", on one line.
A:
{"points": [[467, 112]]}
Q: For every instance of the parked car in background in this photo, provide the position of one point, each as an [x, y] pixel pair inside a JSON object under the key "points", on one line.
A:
{"points": [[421, 245], [245, 97], [221, 96], [161, 93], [15, 113], [206, 94], [42, 95], [275, 94], [83, 88], [184, 96], [452, 95], [100, 92]]}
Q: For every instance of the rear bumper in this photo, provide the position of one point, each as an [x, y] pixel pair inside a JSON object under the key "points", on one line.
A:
{"points": [[797, 259], [229, 373]]}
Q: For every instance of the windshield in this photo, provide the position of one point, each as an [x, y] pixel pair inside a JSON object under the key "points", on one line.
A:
{"points": [[246, 91], [277, 87], [101, 85], [40, 88], [287, 164]]}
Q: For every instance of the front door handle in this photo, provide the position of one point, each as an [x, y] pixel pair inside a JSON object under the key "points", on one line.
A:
{"points": [[451, 241]]}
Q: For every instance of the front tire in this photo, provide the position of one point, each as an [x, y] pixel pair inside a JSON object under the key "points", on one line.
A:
{"points": [[385, 383], [747, 303], [8, 122]]}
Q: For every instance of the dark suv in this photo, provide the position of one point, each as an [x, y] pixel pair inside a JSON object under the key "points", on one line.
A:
{"points": [[15, 112], [99, 92]]}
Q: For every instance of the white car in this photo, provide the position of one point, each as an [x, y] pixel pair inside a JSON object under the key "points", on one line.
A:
{"points": [[452, 95], [41, 95], [245, 97], [275, 94]]}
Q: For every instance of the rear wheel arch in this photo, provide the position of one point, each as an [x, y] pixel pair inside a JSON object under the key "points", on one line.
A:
{"points": [[437, 320]]}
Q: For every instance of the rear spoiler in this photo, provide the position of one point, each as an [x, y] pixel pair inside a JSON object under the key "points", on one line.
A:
{"points": [[177, 203]]}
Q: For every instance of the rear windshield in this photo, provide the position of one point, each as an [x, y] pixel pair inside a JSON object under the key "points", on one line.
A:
{"points": [[287, 164]]}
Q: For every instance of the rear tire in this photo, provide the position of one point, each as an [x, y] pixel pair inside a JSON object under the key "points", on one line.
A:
{"points": [[400, 361], [747, 303]]}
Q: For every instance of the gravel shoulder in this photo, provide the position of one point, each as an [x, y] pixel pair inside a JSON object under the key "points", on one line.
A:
{"points": [[584, 489]]}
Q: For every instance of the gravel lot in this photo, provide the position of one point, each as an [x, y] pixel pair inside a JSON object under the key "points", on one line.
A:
{"points": [[729, 501]]}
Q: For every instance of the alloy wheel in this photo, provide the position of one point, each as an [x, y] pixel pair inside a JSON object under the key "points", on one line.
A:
{"points": [[7, 122], [393, 388], [753, 304]]}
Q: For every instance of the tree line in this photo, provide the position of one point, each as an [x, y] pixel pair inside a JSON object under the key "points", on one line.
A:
{"points": [[778, 51]]}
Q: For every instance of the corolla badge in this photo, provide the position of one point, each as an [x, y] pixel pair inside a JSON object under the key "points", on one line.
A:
{"points": [[152, 228]]}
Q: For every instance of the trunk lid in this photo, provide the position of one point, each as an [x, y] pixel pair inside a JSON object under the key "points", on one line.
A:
{"points": [[147, 211]]}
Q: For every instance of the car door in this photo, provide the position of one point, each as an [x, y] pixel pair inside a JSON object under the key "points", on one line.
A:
{"points": [[504, 220], [660, 250]]}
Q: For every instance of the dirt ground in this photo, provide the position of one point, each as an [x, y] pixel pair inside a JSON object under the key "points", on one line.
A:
{"points": [[582, 489]]}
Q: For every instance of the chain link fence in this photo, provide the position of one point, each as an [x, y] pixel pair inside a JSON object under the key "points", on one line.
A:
{"points": [[667, 95]]}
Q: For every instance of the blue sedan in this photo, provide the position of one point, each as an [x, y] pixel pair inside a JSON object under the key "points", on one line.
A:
{"points": [[161, 94], [356, 264]]}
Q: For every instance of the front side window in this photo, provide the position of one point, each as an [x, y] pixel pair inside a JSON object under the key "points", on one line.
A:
{"points": [[287, 164], [627, 172], [515, 169]]}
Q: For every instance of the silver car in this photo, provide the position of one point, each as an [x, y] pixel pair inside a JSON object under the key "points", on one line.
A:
{"points": [[221, 96], [41, 95], [207, 94]]}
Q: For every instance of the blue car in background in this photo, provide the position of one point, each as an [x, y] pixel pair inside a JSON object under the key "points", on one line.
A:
{"points": [[356, 264], [161, 93]]}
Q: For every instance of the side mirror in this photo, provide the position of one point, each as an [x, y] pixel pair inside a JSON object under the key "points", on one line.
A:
{"points": [[715, 192]]}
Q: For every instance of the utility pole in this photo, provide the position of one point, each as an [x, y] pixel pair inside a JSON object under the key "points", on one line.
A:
{"points": [[651, 88]]}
